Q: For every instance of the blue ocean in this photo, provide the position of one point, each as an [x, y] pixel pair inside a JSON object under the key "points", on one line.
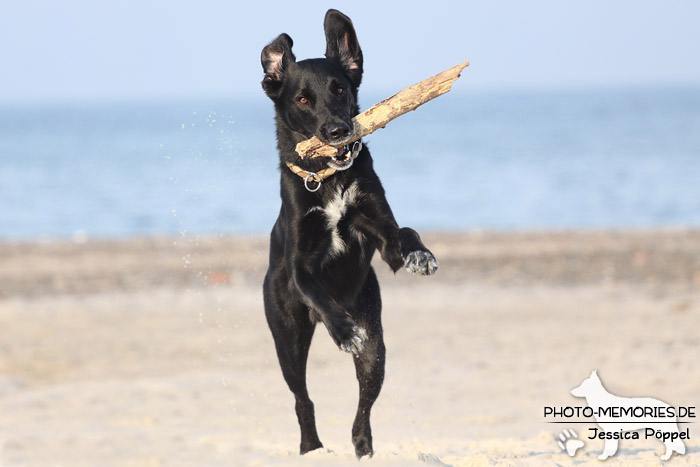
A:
{"points": [[603, 158]]}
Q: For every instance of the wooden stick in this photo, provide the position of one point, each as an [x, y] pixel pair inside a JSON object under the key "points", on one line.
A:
{"points": [[380, 114]]}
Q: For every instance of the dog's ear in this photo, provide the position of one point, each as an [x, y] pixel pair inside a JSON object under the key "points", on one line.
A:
{"points": [[342, 46], [276, 58]]}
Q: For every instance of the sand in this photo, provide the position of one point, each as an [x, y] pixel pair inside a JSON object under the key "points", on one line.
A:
{"points": [[155, 351]]}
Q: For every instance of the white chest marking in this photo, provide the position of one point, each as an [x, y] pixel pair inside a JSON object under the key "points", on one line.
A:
{"points": [[334, 210]]}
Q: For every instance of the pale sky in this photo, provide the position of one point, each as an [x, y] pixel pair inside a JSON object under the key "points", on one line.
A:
{"points": [[113, 50]]}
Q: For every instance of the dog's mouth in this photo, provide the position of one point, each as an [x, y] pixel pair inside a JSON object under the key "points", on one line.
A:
{"points": [[336, 142], [342, 160]]}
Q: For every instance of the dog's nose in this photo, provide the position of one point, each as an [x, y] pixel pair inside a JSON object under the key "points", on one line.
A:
{"points": [[338, 130]]}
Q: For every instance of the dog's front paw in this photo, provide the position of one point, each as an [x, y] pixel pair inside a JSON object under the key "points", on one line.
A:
{"points": [[348, 336], [421, 262], [356, 343]]}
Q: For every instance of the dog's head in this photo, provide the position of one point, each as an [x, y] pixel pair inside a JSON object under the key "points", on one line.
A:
{"points": [[587, 386], [316, 97]]}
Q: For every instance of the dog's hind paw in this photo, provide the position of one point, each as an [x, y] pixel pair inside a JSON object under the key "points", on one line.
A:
{"points": [[421, 262], [356, 343]]}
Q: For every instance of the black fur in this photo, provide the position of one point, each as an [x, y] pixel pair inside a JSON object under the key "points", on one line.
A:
{"points": [[320, 269]]}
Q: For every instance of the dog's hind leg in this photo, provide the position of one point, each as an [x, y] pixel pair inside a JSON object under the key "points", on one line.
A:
{"points": [[369, 365], [671, 446], [292, 331]]}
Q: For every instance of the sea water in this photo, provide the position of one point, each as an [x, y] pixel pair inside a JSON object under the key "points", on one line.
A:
{"points": [[602, 158]]}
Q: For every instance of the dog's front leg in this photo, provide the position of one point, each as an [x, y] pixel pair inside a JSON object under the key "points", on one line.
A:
{"points": [[347, 335], [609, 449], [398, 246]]}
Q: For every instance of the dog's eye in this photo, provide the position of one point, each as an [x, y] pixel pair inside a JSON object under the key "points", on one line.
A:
{"points": [[340, 91], [303, 100]]}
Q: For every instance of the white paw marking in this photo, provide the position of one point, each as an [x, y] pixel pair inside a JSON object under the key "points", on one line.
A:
{"points": [[356, 344], [421, 262]]}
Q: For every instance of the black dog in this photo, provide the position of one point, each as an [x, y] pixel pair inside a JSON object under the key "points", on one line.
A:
{"points": [[334, 216]]}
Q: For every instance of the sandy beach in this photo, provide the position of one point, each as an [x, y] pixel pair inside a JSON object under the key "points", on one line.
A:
{"points": [[155, 351]]}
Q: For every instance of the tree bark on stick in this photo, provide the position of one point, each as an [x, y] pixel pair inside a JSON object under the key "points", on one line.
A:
{"points": [[380, 114]]}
